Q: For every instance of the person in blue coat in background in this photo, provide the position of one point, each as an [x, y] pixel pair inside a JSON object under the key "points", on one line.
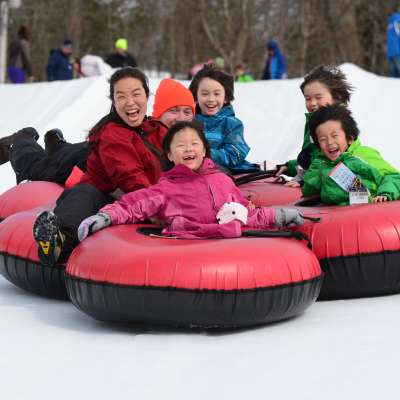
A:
{"points": [[393, 44], [275, 66], [59, 67]]}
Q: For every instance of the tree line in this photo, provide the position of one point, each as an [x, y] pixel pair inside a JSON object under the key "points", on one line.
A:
{"points": [[173, 35]]}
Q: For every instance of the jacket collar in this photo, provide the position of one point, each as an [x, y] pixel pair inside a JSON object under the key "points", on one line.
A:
{"points": [[348, 153], [182, 171], [225, 111], [354, 146]]}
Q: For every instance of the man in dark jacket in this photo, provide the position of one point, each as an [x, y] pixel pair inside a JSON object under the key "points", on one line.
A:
{"points": [[59, 67], [121, 57]]}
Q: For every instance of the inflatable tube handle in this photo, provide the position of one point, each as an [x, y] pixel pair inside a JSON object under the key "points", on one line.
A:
{"points": [[312, 219], [256, 176], [156, 232], [271, 234]]}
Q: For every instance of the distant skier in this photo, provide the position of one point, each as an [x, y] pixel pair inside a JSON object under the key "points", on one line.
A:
{"points": [[121, 57], [59, 67], [241, 75], [393, 44], [275, 66], [20, 62]]}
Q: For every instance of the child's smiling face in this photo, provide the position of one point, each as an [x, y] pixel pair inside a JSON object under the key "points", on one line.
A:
{"points": [[210, 96], [332, 139], [317, 95], [187, 148]]}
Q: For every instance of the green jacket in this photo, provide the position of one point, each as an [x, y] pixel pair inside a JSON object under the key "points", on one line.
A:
{"points": [[244, 78], [307, 144], [376, 174]]}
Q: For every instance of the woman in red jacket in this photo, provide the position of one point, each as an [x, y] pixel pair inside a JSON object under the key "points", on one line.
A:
{"points": [[125, 147]]}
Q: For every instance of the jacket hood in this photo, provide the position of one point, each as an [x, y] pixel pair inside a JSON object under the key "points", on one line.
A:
{"points": [[224, 112], [394, 17], [354, 146], [308, 116], [272, 45]]}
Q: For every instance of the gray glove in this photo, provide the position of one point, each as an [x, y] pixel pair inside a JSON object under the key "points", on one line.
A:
{"points": [[93, 224], [288, 217]]}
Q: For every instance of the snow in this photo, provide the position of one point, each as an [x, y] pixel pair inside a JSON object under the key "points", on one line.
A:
{"points": [[335, 350]]}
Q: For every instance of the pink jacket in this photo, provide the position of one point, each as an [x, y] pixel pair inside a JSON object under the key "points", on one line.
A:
{"points": [[188, 202]]}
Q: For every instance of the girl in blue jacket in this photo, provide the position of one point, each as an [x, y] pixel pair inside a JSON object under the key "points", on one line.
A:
{"points": [[213, 92]]}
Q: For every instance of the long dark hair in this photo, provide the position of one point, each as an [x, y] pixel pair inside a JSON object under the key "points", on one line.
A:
{"points": [[126, 72], [334, 80], [179, 126]]}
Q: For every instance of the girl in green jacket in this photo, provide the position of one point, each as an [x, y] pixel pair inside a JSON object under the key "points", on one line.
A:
{"points": [[342, 165], [321, 87]]}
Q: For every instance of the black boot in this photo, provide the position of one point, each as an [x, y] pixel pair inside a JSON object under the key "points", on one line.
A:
{"points": [[52, 141], [47, 235], [7, 141]]}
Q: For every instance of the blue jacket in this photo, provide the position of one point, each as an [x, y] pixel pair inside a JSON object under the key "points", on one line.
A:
{"points": [[393, 36], [275, 66], [224, 132], [58, 66]]}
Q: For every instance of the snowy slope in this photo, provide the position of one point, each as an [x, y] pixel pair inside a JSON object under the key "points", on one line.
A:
{"points": [[336, 350]]}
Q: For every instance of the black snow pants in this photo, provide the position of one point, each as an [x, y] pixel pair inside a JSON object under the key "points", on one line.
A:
{"points": [[31, 162], [73, 206]]}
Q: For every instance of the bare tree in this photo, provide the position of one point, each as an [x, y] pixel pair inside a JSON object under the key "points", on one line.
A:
{"points": [[174, 35]]}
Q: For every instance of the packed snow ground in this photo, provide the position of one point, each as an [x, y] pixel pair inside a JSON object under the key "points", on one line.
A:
{"points": [[335, 350]]}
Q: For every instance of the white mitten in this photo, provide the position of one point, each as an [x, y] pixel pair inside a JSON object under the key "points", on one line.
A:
{"points": [[93, 224], [231, 211], [288, 217]]}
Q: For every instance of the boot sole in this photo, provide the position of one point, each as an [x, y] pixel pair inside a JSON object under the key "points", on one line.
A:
{"points": [[45, 232]]}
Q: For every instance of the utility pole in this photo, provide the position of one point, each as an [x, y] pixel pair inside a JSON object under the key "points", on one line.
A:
{"points": [[4, 6], [3, 39]]}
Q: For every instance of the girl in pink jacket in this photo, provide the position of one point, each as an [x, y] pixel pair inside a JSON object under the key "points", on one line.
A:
{"points": [[193, 197]]}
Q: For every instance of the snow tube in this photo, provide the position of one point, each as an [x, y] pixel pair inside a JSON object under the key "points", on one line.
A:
{"points": [[28, 195], [265, 192], [358, 248], [19, 262], [121, 274]]}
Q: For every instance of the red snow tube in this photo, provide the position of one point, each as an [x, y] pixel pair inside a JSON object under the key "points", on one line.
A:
{"points": [[19, 262], [266, 193], [358, 248], [28, 195], [122, 275]]}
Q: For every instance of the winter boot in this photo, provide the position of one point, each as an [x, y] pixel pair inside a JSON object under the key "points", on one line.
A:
{"points": [[52, 140], [7, 141], [48, 237]]}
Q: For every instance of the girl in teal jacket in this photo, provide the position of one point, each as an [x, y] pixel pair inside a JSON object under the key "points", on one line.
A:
{"points": [[213, 91], [336, 134]]}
